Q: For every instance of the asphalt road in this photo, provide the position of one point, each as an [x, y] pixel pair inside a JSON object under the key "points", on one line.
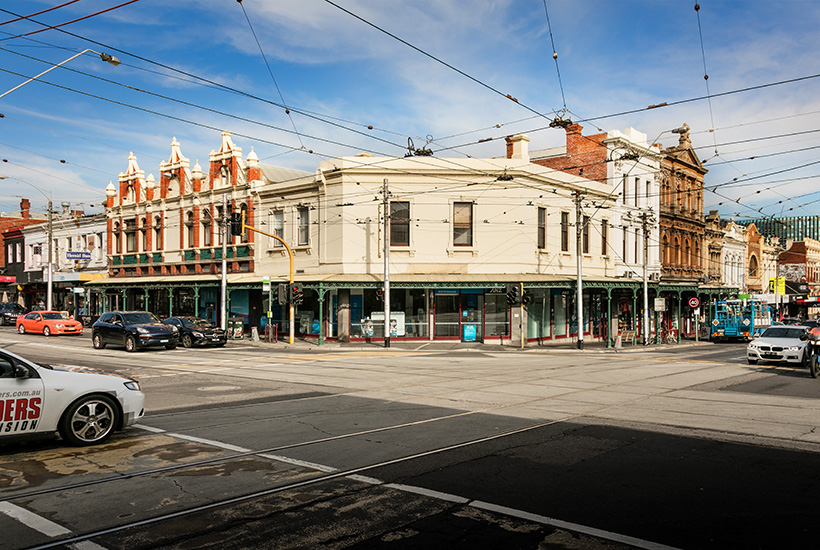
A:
{"points": [[254, 447]]}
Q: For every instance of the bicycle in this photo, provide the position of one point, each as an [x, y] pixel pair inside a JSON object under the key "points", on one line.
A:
{"points": [[668, 337]]}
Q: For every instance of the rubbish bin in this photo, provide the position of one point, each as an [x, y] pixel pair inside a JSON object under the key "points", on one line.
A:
{"points": [[236, 328]]}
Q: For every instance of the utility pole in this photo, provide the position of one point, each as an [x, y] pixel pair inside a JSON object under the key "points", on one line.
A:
{"points": [[645, 221], [50, 284], [386, 199], [224, 232], [579, 293]]}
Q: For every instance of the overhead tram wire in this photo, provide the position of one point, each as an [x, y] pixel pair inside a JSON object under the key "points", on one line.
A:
{"points": [[706, 76], [436, 59], [64, 4], [182, 102], [270, 71], [555, 56], [205, 80], [56, 27]]}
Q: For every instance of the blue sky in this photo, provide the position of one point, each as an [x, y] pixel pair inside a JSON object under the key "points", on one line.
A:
{"points": [[613, 57]]}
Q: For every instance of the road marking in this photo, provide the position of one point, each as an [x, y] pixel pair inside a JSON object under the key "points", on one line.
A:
{"points": [[30, 519], [447, 497], [149, 428], [578, 528], [226, 446]]}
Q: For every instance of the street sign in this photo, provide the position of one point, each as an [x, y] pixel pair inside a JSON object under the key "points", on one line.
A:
{"points": [[660, 304], [78, 255], [694, 302], [266, 284]]}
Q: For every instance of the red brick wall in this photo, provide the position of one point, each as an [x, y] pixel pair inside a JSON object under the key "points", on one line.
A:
{"points": [[586, 155]]}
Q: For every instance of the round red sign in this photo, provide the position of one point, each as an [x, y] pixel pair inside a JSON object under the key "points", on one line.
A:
{"points": [[694, 302]]}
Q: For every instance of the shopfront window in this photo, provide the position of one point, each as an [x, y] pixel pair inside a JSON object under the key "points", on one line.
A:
{"points": [[560, 305], [497, 315], [408, 314], [447, 325], [538, 314]]}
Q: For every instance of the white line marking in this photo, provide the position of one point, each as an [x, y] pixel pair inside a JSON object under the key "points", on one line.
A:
{"points": [[447, 497], [304, 463], [365, 479], [226, 446], [149, 428], [428, 493], [86, 545], [30, 519], [615, 537]]}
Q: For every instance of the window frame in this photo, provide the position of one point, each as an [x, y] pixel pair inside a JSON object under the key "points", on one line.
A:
{"points": [[564, 231], [399, 223], [541, 232], [303, 226], [460, 228]]}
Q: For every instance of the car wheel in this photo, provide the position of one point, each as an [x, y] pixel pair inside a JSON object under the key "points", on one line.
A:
{"points": [[2, 320], [814, 367], [46, 331], [96, 341], [130, 343], [187, 341], [90, 420], [752, 361], [21, 329]]}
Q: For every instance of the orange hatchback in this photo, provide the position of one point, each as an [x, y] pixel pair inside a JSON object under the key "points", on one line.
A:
{"points": [[47, 323]]}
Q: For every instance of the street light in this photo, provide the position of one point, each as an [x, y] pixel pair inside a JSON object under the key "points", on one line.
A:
{"points": [[50, 232], [103, 56]]}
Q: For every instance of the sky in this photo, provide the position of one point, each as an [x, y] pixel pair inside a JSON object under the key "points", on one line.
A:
{"points": [[367, 75]]}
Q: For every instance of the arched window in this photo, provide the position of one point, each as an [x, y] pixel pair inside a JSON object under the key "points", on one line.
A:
{"points": [[753, 266], [244, 211], [207, 228], [665, 253], [158, 245], [696, 260], [687, 253], [144, 234], [676, 252], [189, 229], [130, 193], [117, 238]]}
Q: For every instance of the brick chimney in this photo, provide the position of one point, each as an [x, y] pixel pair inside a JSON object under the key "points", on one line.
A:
{"points": [[25, 205], [575, 140]]}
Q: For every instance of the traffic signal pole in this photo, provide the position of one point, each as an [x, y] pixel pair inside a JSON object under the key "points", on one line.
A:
{"points": [[291, 327], [579, 223]]}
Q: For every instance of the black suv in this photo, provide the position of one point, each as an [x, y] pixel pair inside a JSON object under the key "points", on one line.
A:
{"points": [[9, 311], [194, 331], [132, 329]]}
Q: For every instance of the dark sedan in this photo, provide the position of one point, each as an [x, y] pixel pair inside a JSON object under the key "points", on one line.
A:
{"points": [[194, 331], [9, 311], [132, 329]]}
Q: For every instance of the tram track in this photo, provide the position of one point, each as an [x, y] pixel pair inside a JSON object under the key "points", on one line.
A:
{"points": [[355, 473]]}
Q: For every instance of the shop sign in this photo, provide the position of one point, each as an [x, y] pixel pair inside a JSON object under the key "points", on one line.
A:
{"points": [[446, 292], [78, 290], [8, 279], [78, 255]]}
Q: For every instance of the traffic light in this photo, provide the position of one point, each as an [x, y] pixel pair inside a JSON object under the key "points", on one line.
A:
{"points": [[526, 298], [513, 294], [379, 295], [296, 295], [282, 293], [236, 224]]}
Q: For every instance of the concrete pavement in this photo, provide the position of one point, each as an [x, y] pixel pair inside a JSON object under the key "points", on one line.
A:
{"points": [[632, 385]]}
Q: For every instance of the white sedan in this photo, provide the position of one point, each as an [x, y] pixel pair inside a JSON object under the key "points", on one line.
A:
{"points": [[780, 344], [84, 405]]}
